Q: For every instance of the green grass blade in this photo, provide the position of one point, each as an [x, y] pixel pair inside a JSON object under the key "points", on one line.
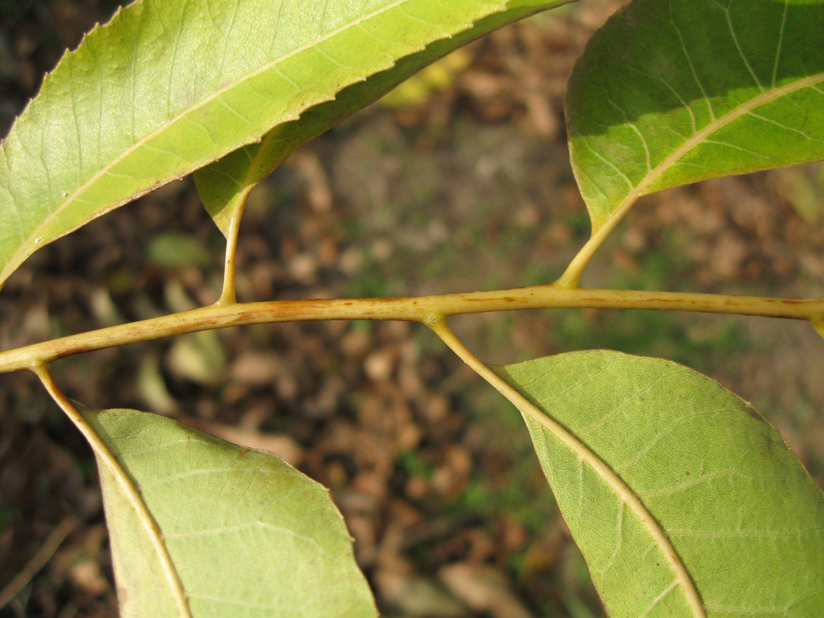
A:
{"points": [[684, 500], [169, 86], [248, 535], [223, 184], [676, 91]]}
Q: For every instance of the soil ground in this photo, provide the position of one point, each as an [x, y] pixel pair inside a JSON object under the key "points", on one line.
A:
{"points": [[463, 188]]}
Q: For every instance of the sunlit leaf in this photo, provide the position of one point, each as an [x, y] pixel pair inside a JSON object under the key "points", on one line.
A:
{"points": [[684, 500], [676, 91], [248, 535], [171, 85], [224, 184]]}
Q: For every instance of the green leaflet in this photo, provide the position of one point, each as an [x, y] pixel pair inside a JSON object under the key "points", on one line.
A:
{"points": [[169, 86], [224, 185], [670, 92], [249, 536], [744, 518]]}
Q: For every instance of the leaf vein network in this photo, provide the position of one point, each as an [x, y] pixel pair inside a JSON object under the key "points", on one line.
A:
{"points": [[784, 127], [734, 36], [780, 44], [207, 472], [690, 63]]}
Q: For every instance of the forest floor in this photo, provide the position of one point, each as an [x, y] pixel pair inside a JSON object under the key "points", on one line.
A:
{"points": [[461, 188]]}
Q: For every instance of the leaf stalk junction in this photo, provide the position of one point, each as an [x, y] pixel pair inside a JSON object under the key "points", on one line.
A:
{"points": [[126, 484]]}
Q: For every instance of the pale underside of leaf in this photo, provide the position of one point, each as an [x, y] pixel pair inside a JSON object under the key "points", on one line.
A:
{"points": [[224, 185], [676, 91], [169, 86], [247, 534], [741, 514]]}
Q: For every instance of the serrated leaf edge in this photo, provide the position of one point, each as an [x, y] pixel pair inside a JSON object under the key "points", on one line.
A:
{"points": [[495, 6]]}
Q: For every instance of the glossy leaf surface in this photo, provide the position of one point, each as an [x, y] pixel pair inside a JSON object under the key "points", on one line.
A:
{"points": [[224, 184], [692, 479], [670, 92], [248, 535], [170, 85]]}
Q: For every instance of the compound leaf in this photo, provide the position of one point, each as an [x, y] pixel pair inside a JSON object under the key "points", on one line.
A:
{"points": [[243, 533], [170, 85], [670, 92], [684, 500]]}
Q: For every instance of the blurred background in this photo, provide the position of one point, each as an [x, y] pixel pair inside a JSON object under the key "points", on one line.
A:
{"points": [[460, 181]]}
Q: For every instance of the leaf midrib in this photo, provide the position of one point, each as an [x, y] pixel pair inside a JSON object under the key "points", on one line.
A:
{"points": [[681, 577], [698, 138], [160, 130], [106, 457], [147, 519]]}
